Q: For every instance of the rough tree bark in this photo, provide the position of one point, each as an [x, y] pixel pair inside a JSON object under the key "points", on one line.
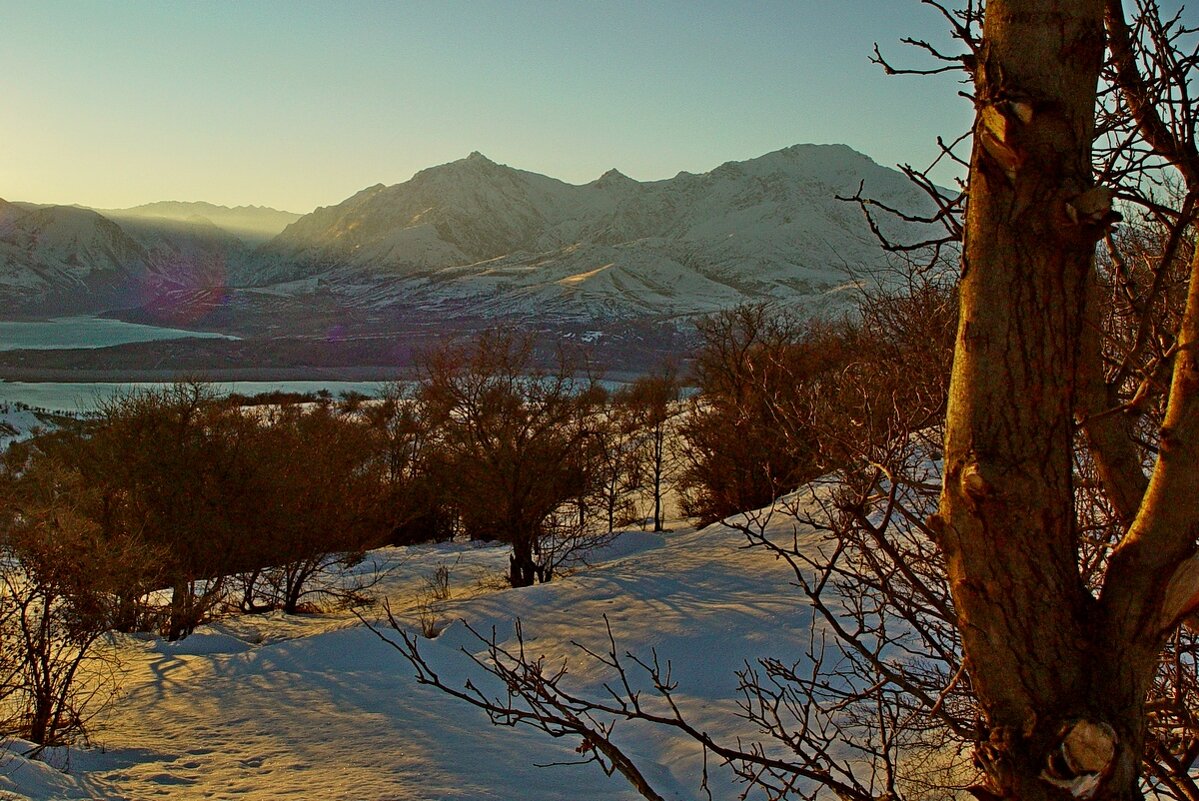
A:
{"points": [[1060, 673]]}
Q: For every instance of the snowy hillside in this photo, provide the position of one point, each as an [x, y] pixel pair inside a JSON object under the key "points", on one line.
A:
{"points": [[318, 707], [63, 255], [478, 237], [65, 259]]}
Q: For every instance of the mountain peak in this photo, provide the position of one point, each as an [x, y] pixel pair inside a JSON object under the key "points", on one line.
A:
{"points": [[826, 154], [475, 163], [611, 178]]}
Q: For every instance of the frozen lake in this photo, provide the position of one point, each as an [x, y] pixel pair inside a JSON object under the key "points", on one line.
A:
{"points": [[86, 332], [82, 397], [94, 332]]}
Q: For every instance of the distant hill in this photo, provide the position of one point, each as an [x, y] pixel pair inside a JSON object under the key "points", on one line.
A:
{"points": [[252, 224], [66, 259], [62, 257]]}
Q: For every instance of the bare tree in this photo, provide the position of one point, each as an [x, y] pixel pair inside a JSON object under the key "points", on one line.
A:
{"points": [[515, 443], [619, 467], [1061, 666], [654, 404], [404, 442], [733, 458], [323, 490], [173, 463]]}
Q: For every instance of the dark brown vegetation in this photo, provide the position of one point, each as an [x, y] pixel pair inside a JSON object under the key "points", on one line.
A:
{"points": [[516, 448], [782, 402], [145, 518], [59, 585]]}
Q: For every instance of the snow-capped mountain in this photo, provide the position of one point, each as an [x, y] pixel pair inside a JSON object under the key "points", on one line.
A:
{"points": [[473, 240], [63, 257], [481, 238]]}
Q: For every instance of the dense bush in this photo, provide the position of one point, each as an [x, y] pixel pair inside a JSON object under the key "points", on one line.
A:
{"points": [[781, 402], [319, 501], [212, 490]]}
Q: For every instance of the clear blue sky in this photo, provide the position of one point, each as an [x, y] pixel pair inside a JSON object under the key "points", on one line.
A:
{"points": [[299, 104]]}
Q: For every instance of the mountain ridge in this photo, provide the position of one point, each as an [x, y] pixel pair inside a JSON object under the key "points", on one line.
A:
{"points": [[508, 242], [252, 224], [477, 240]]}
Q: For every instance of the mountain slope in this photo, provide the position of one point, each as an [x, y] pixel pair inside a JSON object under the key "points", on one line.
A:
{"points": [[58, 260], [64, 257], [479, 236]]}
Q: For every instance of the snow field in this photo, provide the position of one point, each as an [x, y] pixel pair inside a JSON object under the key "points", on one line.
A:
{"points": [[17, 424], [277, 707]]}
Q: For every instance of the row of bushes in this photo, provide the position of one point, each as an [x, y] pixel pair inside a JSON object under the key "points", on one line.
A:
{"points": [[782, 401], [172, 503]]}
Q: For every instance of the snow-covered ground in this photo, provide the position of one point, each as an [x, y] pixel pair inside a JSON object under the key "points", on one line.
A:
{"points": [[18, 422], [304, 707]]}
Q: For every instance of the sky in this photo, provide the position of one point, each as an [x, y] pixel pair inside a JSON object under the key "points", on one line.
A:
{"points": [[300, 104]]}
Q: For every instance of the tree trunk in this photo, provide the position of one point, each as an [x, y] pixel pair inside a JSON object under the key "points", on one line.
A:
{"points": [[292, 585], [250, 593], [39, 725], [1006, 521], [657, 504], [522, 571], [127, 617], [659, 460], [182, 621]]}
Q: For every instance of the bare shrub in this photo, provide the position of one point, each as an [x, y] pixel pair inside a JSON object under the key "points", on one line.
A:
{"points": [[59, 582], [514, 448]]}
